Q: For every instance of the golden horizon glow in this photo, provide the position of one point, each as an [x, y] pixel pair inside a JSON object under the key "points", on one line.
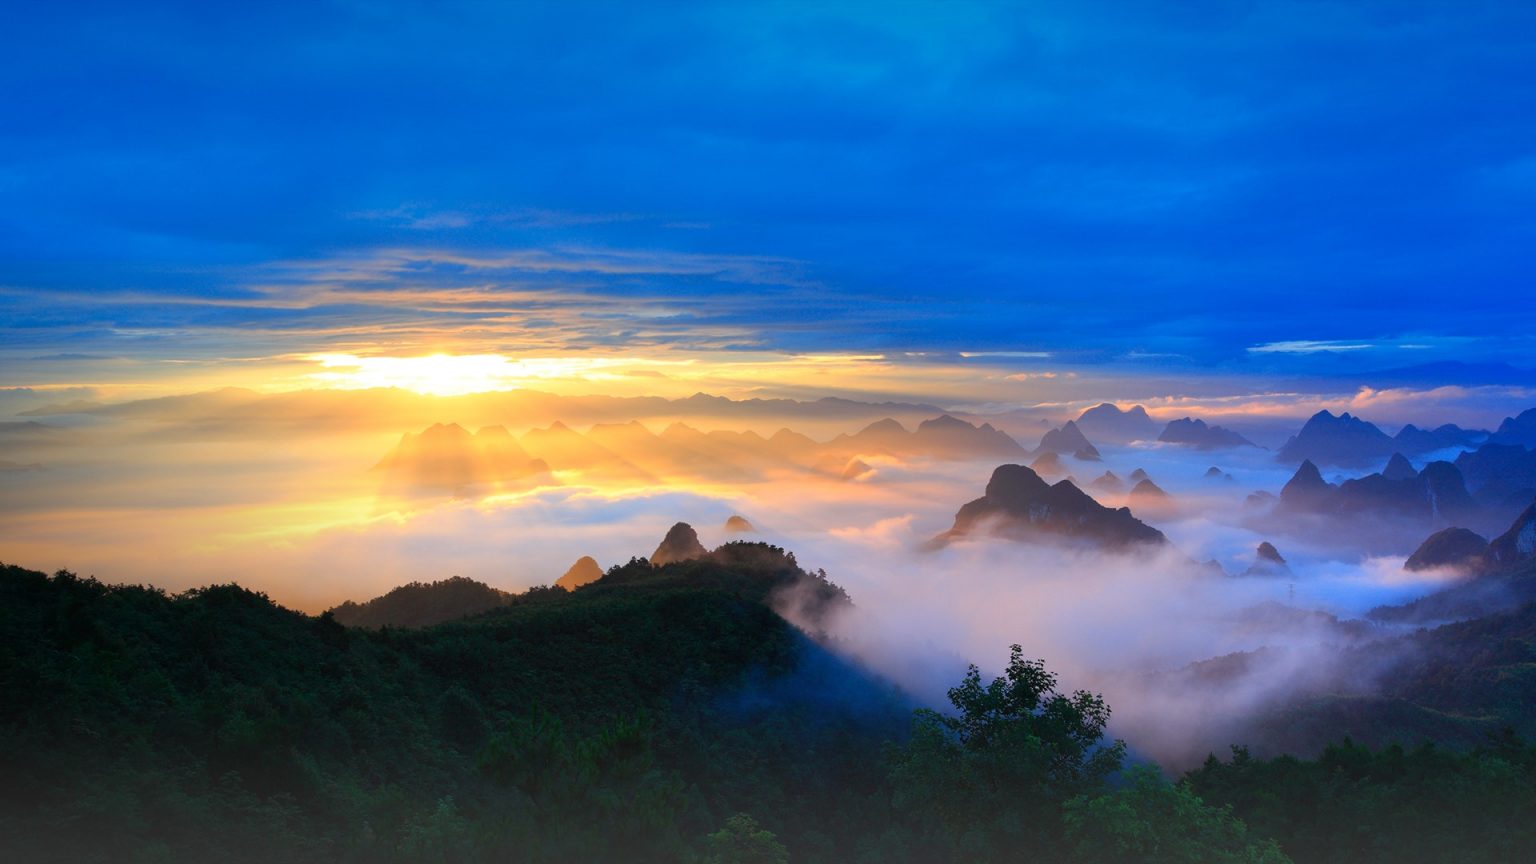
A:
{"points": [[458, 374]]}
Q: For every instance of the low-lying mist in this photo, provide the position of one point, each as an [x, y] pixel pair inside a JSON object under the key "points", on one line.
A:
{"points": [[301, 518]]}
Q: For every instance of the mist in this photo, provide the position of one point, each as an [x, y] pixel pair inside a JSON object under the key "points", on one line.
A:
{"points": [[305, 517]]}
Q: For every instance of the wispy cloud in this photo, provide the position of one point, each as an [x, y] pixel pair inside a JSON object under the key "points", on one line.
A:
{"points": [[1309, 346]]}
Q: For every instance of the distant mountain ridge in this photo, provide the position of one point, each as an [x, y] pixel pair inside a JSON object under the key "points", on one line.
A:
{"points": [[1194, 432], [445, 458], [1108, 422]]}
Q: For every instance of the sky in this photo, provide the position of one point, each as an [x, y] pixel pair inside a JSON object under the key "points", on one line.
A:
{"points": [[1244, 211], [206, 194]]}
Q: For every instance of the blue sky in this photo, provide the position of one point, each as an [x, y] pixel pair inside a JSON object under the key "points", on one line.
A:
{"points": [[1287, 187]]}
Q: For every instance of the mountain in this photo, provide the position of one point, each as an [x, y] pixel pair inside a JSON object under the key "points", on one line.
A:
{"points": [[1518, 544], [1450, 547], [423, 604], [1107, 422], [882, 436], [738, 525], [1412, 439], [565, 449], [952, 438], [1194, 433], [1019, 505], [1147, 493], [1107, 482], [680, 544], [1268, 562], [1399, 468], [943, 437], [585, 571], [1139, 475], [679, 452], [1520, 429], [559, 727], [1067, 440], [1048, 464], [1500, 474], [447, 459], [1437, 493], [1343, 440], [1306, 491]]}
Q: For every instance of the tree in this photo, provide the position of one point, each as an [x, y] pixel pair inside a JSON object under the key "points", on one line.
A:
{"points": [[988, 782], [1150, 821], [742, 841]]}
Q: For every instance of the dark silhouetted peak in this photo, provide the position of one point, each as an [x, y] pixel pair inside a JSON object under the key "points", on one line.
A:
{"points": [[1106, 422], [1399, 468], [1015, 486], [1191, 432], [1267, 561], [585, 570], [1306, 490], [1087, 454], [1107, 482], [1147, 491], [1499, 472], [680, 544], [1139, 475], [1516, 545], [1067, 439], [738, 525], [1341, 440], [1020, 505], [1412, 439], [1452, 547], [1445, 489], [1268, 552], [1213, 473], [1520, 429]]}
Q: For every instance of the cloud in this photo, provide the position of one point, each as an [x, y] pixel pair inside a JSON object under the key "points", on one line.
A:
{"points": [[1309, 346]]}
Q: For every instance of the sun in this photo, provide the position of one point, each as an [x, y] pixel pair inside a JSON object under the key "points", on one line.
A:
{"points": [[453, 374]]}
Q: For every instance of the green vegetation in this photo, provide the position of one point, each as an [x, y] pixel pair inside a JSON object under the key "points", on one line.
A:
{"points": [[659, 714], [1355, 804], [422, 604]]}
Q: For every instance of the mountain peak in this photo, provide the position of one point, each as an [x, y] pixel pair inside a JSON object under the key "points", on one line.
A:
{"points": [[1399, 468], [1518, 543], [1021, 506], [1341, 440], [584, 571], [1108, 422], [680, 544]]}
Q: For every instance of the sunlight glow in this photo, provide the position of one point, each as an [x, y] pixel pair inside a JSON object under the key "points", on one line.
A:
{"points": [[456, 375]]}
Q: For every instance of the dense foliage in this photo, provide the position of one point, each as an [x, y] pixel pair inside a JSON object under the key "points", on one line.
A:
{"points": [[658, 714], [1425, 804]]}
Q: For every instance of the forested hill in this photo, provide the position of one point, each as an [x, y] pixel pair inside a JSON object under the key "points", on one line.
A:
{"points": [[659, 714], [423, 604], [622, 722]]}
